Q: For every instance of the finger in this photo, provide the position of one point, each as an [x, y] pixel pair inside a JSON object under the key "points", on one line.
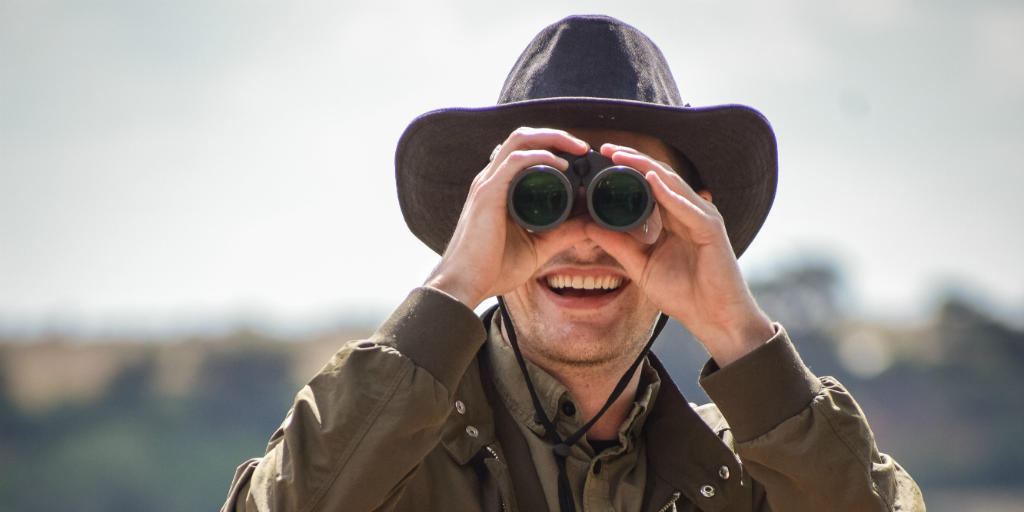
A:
{"points": [[673, 181], [609, 150], [518, 161], [540, 138], [677, 209], [684, 208], [627, 250], [529, 139]]}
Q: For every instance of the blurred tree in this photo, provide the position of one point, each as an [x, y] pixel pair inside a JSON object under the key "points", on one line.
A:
{"points": [[950, 408]]}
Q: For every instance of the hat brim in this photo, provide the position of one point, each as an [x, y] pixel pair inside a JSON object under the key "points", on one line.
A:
{"points": [[732, 147]]}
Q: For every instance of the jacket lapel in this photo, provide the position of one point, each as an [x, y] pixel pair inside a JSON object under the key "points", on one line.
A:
{"points": [[684, 454], [525, 482]]}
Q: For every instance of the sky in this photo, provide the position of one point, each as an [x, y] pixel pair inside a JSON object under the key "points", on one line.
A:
{"points": [[180, 164]]}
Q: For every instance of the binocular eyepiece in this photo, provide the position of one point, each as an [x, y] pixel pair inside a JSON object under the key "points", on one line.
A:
{"points": [[618, 197]]}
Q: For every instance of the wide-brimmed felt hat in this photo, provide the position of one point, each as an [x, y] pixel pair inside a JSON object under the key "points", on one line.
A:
{"points": [[590, 72]]}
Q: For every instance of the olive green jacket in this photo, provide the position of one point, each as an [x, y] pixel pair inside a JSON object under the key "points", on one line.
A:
{"points": [[379, 429]]}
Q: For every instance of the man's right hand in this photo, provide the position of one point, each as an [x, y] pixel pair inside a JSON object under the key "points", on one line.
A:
{"points": [[490, 254]]}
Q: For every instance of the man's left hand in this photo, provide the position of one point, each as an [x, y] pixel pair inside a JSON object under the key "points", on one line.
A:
{"points": [[685, 263]]}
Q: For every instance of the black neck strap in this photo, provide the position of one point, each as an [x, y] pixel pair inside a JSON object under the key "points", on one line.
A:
{"points": [[561, 450]]}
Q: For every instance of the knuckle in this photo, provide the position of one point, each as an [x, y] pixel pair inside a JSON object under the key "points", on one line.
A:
{"points": [[476, 182], [520, 156], [715, 219], [482, 187], [675, 177], [517, 156], [521, 132]]}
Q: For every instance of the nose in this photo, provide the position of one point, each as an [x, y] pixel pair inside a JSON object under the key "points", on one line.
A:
{"points": [[579, 204]]}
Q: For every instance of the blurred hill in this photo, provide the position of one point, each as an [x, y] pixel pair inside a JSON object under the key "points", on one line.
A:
{"points": [[121, 426], [117, 425]]}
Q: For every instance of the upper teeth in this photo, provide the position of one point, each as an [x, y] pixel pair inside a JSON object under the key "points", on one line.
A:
{"points": [[584, 283]]}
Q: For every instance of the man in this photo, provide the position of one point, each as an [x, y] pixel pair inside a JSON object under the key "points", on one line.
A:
{"points": [[551, 402]]}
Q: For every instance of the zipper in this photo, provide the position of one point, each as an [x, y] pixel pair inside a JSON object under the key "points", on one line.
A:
{"points": [[494, 453], [500, 496], [671, 505]]}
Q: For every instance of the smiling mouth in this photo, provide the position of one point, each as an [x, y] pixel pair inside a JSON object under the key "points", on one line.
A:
{"points": [[583, 286]]}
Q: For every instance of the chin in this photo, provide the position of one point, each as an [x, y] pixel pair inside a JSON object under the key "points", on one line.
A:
{"points": [[581, 338], [581, 315]]}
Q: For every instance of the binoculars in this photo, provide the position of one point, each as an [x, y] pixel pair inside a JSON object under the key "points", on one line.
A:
{"points": [[618, 197]]}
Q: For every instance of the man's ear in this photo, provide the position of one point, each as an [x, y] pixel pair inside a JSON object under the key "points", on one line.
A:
{"points": [[706, 194]]}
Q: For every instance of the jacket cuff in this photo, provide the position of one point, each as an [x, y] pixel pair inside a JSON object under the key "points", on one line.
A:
{"points": [[436, 331], [760, 390]]}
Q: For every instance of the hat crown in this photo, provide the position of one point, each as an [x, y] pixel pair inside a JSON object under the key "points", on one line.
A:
{"points": [[591, 57]]}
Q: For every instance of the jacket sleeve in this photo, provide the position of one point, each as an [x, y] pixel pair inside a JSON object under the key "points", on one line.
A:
{"points": [[362, 425], [804, 438]]}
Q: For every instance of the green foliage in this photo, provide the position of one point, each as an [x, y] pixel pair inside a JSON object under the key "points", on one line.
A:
{"points": [[137, 450], [953, 419]]}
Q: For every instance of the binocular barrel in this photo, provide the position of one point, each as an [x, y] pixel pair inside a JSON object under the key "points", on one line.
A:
{"points": [[619, 198]]}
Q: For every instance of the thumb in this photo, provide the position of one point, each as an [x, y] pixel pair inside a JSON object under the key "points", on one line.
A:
{"points": [[629, 252]]}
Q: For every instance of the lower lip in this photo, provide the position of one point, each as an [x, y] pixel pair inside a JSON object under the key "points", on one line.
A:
{"points": [[592, 302]]}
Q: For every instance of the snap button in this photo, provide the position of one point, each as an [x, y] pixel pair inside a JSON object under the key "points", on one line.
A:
{"points": [[707, 491], [597, 466], [460, 407], [723, 472], [472, 431], [568, 408]]}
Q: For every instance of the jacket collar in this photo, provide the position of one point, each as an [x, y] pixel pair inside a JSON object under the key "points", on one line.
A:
{"points": [[510, 385], [687, 453]]}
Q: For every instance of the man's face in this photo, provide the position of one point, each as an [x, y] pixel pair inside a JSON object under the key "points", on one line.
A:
{"points": [[579, 309]]}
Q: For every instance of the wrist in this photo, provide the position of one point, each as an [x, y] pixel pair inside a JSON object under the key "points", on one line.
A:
{"points": [[742, 338], [446, 283]]}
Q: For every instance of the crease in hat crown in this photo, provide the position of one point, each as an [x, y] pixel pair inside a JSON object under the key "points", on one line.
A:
{"points": [[591, 57], [588, 72]]}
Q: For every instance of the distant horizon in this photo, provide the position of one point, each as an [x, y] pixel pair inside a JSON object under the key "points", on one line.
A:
{"points": [[207, 322]]}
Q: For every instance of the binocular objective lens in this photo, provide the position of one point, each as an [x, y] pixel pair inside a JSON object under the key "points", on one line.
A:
{"points": [[540, 198], [619, 199]]}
